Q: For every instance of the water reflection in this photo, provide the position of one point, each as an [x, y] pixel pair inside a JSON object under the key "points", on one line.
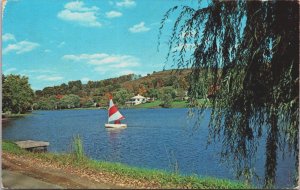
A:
{"points": [[113, 132], [114, 144]]}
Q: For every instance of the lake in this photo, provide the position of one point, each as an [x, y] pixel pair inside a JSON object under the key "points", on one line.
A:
{"points": [[154, 138]]}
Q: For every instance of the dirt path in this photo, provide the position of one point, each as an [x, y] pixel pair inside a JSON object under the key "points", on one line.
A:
{"points": [[16, 180], [38, 174]]}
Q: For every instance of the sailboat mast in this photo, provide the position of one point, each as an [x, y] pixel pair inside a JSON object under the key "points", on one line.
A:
{"points": [[108, 112]]}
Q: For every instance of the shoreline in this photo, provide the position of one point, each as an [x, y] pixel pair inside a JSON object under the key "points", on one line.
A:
{"points": [[148, 105], [112, 174]]}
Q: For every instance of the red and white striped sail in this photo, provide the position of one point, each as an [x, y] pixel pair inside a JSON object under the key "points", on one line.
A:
{"points": [[113, 112]]}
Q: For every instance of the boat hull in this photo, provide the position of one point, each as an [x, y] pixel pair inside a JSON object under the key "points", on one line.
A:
{"points": [[108, 125]]}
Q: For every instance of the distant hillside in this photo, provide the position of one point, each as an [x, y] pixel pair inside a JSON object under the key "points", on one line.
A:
{"points": [[160, 79], [122, 88]]}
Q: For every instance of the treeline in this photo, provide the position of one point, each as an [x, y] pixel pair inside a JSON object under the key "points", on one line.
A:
{"points": [[74, 94], [18, 97], [163, 85]]}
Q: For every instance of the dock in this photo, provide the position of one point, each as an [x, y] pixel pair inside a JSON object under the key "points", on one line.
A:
{"points": [[33, 146]]}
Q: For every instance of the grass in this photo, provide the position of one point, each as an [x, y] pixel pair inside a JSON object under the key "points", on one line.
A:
{"points": [[174, 104], [11, 147], [154, 104], [15, 115], [179, 104], [78, 149], [163, 178]]}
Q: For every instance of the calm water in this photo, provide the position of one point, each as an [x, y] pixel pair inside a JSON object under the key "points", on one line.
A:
{"points": [[155, 138]]}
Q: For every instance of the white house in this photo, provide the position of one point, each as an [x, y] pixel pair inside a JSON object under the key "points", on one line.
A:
{"points": [[138, 99]]}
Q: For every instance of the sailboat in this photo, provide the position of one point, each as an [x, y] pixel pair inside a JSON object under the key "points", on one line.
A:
{"points": [[115, 116]]}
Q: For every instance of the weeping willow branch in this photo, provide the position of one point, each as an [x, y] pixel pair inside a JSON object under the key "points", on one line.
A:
{"points": [[244, 59]]}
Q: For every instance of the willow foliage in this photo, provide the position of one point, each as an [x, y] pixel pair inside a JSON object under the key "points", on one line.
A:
{"points": [[248, 53]]}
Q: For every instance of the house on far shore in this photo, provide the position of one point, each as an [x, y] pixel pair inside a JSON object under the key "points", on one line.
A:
{"points": [[138, 99]]}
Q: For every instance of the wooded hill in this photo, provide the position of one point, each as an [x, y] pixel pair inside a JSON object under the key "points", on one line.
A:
{"points": [[171, 83]]}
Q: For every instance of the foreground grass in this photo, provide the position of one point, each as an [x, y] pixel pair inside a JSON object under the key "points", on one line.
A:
{"points": [[162, 178]]}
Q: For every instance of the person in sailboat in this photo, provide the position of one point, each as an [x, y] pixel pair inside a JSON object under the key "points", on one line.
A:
{"points": [[117, 122]]}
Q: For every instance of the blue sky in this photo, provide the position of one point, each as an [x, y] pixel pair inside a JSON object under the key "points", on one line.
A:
{"points": [[56, 41]]}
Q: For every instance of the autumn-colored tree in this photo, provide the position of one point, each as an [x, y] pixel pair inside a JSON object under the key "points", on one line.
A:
{"points": [[142, 90]]}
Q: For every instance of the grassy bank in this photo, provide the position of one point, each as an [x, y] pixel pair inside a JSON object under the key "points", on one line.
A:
{"points": [[154, 104], [157, 104], [148, 105], [174, 104], [15, 115], [162, 178]]}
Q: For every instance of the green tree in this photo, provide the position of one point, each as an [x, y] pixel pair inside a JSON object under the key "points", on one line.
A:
{"points": [[86, 102], [53, 102], [98, 92], [17, 96], [74, 87], [70, 101], [76, 83], [39, 93], [43, 104], [251, 49], [168, 90], [180, 93], [48, 91], [166, 99], [64, 89], [121, 96], [153, 93], [167, 95]]}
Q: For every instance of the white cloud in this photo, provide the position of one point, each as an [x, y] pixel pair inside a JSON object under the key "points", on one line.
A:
{"points": [[49, 78], [78, 13], [113, 14], [139, 28], [105, 62], [79, 6], [85, 79], [9, 71], [126, 3], [126, 64], [104, 59], [8, 37], [21, 47], [86, 57], [117, 61]]}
